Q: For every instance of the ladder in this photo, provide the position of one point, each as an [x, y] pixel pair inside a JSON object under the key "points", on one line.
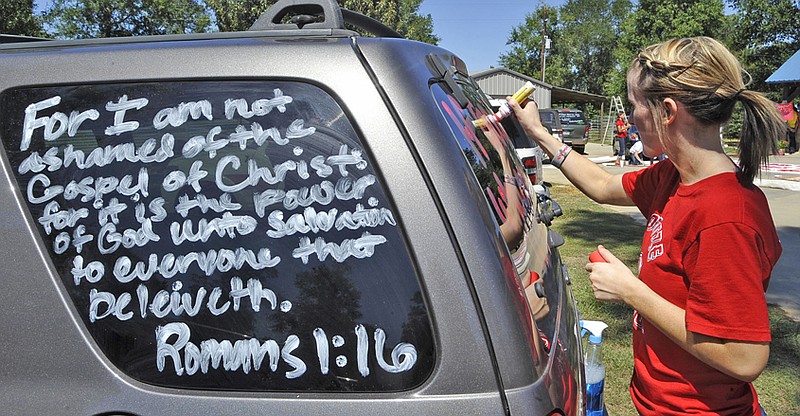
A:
{"points": [[616, 108], [616, 102]]}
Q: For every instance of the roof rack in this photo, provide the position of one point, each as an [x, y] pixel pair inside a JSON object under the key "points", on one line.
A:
{"points": [[312, 15]]}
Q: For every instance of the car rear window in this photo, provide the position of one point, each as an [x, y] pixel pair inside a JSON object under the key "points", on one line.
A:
{"points": [[221, 235], [571, 117], [547, 117]]}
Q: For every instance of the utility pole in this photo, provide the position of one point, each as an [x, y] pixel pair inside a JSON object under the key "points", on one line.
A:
{"points": [[545, 39]]}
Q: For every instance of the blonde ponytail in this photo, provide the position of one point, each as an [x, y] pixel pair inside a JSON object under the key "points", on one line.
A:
{"points": [[761, 128]]}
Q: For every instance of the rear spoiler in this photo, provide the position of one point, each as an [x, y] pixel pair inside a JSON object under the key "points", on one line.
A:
{"points": [[19, 38]]}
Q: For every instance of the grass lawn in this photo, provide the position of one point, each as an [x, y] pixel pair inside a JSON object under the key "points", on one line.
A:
{"points": [[586, 224]]}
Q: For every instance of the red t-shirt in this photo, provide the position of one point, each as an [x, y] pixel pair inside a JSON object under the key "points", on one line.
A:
{"points": [[622, 131], [709, 248]]}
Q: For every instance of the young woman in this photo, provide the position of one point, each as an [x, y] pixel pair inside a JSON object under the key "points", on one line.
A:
{"points": [[621, 129], [701, 325]]}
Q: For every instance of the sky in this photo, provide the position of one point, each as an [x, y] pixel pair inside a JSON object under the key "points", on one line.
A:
{"points": [[477, 31]]}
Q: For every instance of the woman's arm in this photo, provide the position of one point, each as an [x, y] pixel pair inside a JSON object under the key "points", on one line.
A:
{"points": [[614, 282], [591, 179]]}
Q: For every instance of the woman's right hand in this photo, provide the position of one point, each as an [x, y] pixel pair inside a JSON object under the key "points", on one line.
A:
{"points": [[528, 116]]}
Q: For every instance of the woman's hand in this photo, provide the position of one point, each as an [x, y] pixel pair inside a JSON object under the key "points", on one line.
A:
{"points": [[528, 116], [612, 280]]}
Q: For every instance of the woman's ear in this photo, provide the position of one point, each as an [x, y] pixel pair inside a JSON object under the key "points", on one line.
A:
{"points": [[670, 110]]}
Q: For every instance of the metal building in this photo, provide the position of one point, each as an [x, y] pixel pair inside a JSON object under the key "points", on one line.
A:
{"points": [[499, 83]]}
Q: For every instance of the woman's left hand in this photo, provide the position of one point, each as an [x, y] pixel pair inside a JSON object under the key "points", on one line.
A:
{"points": [[612, 280]]}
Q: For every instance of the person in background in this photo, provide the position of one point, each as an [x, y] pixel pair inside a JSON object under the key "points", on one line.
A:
{"points": [[702, 331], [788, 112], [633, 136], [794, 131], [633, 131], [621, 129], [637, 150]]}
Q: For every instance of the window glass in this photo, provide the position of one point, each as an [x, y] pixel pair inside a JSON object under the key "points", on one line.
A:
{"points": [[508, 192], [547, 117], [221, 235], [482, 148], [571, 117], [519, 139]]}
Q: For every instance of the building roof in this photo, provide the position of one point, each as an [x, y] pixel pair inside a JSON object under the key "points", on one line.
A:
{"points": [[558, 95], [564, 95], [514, 74], [788, 73]]}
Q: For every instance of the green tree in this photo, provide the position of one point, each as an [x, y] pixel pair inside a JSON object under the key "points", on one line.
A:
{"points": [[527, 40], [657, 20], [18, 18], [588, 38], [237, 15], [415, 26], [111, 18], [765, 34], [584, 36], [401, 15]]}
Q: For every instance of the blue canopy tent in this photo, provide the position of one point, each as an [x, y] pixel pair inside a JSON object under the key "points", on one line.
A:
{"points": [[788, 75]]}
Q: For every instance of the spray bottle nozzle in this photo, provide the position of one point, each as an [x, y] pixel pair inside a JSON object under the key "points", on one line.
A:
{"points": [[595, 329]]}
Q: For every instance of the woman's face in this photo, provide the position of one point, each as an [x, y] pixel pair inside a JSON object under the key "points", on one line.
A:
{"points": [[644, 122]]}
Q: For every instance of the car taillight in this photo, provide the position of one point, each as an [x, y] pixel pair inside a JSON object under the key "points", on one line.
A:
{"points": [[586, 133], [531, 168]]}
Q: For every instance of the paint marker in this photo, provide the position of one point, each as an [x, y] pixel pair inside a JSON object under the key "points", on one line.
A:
{"points": [[505, 109], [596, 257]]}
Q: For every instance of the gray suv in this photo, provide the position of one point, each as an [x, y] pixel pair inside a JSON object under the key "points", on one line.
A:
{"points": [[280, 221]]}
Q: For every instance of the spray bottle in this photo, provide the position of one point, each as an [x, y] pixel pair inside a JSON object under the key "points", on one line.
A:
{"points": [[505, 109], [595, 370]]}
